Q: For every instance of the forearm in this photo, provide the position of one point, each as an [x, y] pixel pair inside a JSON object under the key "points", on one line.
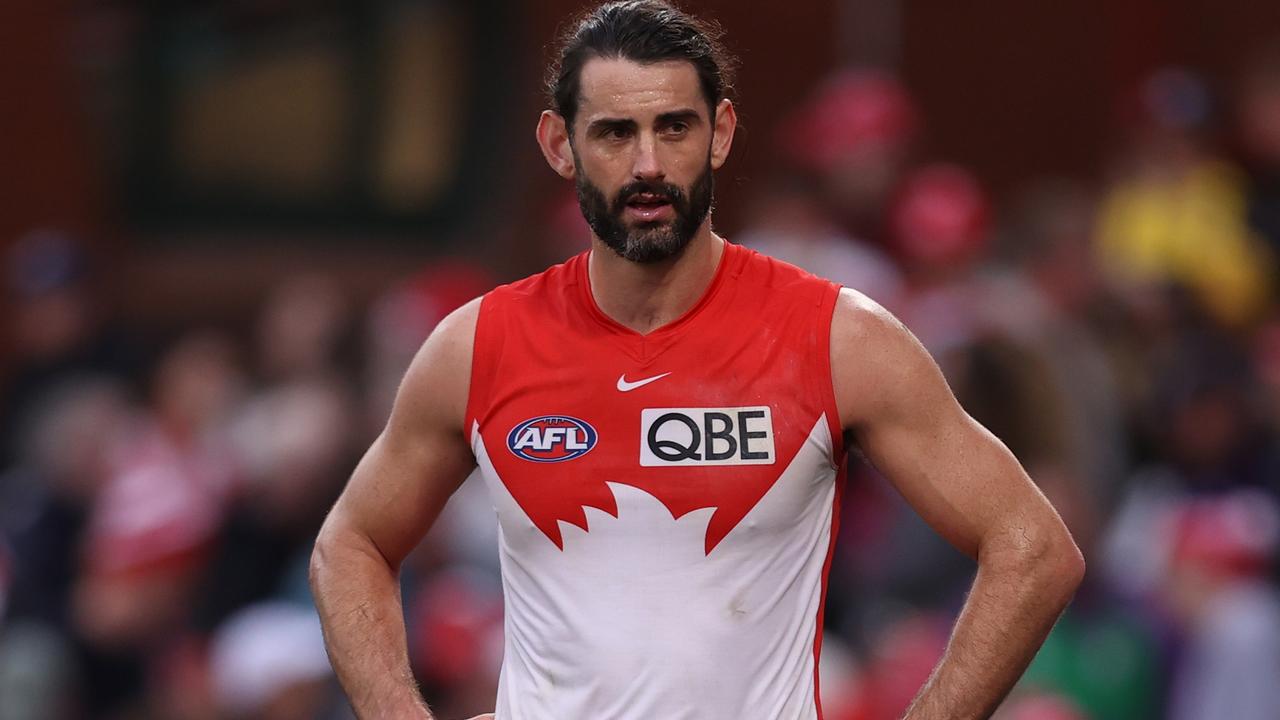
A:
{"points": [[1012, 606], [358, 597]]}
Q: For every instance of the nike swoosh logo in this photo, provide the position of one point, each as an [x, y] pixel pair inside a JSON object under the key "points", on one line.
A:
{"points": [[624, 386]]}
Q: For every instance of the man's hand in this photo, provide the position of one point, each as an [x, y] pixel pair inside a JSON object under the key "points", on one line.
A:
{"points": [[968, 486]]}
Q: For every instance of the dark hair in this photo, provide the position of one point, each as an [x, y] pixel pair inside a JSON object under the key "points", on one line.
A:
{"points": [[645, 31]]}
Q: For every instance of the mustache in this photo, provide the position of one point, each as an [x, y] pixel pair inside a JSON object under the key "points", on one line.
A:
{"points": [[668, 192]]}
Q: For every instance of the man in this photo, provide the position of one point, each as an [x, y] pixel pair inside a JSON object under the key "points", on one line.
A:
{"points": [[675, 412]]}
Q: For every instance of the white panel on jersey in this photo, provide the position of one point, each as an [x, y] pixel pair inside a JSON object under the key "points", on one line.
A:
{"points": [[634, 620]]}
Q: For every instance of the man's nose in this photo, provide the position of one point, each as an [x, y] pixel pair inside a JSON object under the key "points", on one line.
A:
{"points": [[647, 165]]}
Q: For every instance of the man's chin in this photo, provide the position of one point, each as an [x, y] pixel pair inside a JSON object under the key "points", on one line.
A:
{"points": [[649, 251]]}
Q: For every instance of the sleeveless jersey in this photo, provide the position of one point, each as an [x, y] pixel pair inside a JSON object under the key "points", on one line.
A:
{"points": [[667, 501]]}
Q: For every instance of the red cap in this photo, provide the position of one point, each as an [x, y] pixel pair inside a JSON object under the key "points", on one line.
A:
{"points": [[852, 110], [1234, 535], [940, 216]]}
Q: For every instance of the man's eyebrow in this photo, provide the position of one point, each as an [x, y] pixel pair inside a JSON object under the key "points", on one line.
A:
{"points": [[688, 116], [603, 125]]}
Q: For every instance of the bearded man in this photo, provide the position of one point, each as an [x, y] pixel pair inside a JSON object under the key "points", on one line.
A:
{"points": [[662, 424]]}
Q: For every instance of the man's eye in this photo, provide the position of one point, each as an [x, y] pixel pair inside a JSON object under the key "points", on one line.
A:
{"points": [[617, 133], [677, 128]]}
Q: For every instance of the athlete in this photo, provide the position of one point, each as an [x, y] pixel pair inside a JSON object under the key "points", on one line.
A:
{"points": [[662, 424]]}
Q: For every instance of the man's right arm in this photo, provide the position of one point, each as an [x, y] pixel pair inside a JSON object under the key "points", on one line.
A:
{"points": [[391, 500]]}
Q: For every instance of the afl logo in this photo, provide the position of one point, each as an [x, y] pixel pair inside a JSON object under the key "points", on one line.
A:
{"points": [[551, 438]]}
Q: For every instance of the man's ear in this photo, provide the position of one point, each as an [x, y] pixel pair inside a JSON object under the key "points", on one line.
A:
{"points": [[553, 138], [726, 121]]}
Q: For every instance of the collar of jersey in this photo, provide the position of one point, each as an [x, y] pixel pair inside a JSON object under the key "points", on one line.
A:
{"points": [[644, 346]]}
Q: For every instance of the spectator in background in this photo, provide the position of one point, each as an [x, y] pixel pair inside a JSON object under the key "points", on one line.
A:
{"points": [[1204, 422], [1229, 613], [1047, 295], [47, 496], [1205, 437], [154, 521], [1176, 212], [291, 438], [788, 221], [939, 224], [848, 147], [45, 501], [294, 443], [56, 328], [855, 135], [267, 662]]}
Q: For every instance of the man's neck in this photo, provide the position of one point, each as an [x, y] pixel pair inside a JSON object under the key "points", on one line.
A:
{"points": [[644, 297]]}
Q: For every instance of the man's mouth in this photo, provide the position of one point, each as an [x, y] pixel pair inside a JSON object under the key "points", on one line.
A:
{"points": [[650, 208], [644, 201]]}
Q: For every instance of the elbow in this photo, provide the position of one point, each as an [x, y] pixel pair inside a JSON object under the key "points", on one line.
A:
{"points": [[340, 551], [1045, 557], [1059, 567], [331, 548]]}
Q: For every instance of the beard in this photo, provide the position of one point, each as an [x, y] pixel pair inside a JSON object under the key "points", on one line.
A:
{"points": [[650, 241]]}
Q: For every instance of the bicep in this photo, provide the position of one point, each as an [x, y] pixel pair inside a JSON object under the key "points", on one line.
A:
{"points": [[421, 456], [958, 476]]}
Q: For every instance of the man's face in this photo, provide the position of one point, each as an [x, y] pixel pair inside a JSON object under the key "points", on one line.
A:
{"points": [[646, 221], [642, 156]]}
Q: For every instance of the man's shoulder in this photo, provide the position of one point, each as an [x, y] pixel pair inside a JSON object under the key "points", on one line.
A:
{"points": [[859, 320], [875, 358]]}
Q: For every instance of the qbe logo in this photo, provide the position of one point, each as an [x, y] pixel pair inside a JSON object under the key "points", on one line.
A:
{"points": [[551, 438], [706, 436]]}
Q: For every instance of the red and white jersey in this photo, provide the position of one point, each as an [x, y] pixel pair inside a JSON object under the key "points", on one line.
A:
{"points": [[666, 502]]}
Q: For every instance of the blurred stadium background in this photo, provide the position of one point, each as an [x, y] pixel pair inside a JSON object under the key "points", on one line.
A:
{"points": [[227, 225]]}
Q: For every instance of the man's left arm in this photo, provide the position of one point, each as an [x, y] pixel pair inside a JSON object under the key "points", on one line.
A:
{"points": [[967, 485]]}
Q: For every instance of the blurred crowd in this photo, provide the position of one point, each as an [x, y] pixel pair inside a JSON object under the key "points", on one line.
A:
{"points": [[159, 496]]}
